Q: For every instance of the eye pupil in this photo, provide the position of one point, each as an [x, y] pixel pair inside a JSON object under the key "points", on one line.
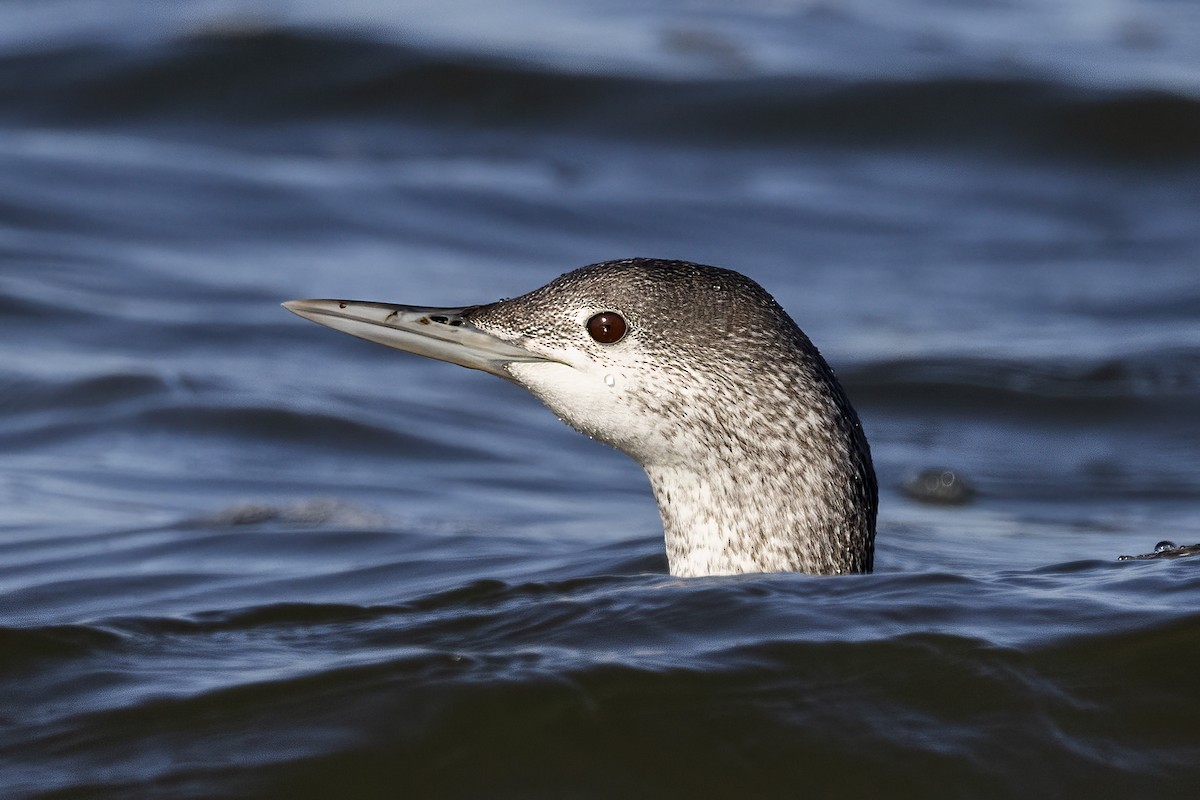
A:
{"points": [[607, 327]]}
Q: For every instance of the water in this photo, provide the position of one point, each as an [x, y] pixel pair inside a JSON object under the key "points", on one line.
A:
{"points": [[244, 556]]}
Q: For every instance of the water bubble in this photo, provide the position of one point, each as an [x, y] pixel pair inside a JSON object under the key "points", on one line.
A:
{"points": [[610, 381], [1166, 549], [940, 486]]}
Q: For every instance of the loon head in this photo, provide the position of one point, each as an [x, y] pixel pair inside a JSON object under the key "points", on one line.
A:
{"points": [[756, 458]]}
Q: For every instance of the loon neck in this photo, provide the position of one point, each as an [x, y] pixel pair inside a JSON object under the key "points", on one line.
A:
{"points": [[713, 526], [777, 506]]}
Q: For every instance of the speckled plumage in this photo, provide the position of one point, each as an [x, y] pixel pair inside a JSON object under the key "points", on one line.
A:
{"points": [[756, 458]]}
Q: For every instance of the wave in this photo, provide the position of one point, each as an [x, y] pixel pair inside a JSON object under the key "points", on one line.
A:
{"points": [[303, 76], [36, 411], [41, 394], [21, 646], [1129, 385], [606, 686], [317, 429]]}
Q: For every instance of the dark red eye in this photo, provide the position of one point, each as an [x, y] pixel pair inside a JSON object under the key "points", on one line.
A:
{"points": [[607, 327]]}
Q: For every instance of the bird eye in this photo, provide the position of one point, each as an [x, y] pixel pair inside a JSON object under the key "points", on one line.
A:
{"points": [[607, 327]]}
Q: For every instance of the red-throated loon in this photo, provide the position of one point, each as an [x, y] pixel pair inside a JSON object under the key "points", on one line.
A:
{"points": [[756, 458]]}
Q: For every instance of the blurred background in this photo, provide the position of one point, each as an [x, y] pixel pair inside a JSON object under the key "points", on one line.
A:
{"points": [[985, 214]]}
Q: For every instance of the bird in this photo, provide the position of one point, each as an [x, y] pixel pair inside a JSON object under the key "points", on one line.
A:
{"points": [[756, 458]]}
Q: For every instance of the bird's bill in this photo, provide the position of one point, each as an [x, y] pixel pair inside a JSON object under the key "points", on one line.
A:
{"points": [[441, 333]]}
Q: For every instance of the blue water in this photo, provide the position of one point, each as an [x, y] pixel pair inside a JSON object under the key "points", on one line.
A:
{"points": [[242, 556]]}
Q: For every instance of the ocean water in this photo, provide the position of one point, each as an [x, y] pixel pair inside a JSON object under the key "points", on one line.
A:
{"points": [[243, 556]]}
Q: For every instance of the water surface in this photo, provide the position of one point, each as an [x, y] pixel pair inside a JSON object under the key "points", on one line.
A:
{"points": [[244, 556]]}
